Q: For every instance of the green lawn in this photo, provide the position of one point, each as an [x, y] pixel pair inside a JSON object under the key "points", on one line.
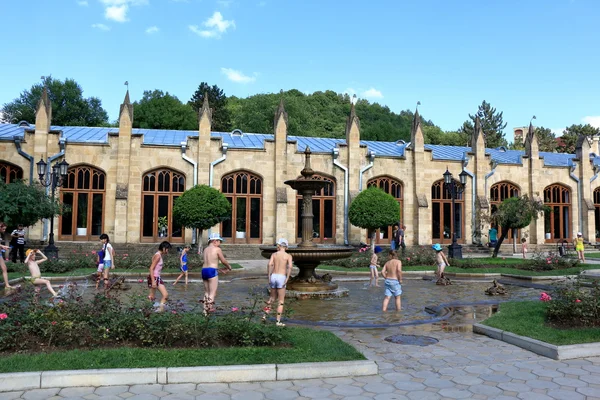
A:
{"points": [[307, 345], [527, 318], [592, 255], [89, 271]]}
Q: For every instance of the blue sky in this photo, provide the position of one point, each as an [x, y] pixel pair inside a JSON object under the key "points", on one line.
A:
{"points": [[526, 57]]}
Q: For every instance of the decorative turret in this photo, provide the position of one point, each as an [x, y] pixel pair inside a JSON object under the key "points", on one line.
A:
{"points": [[205, 110], [205, 125], [417, 139], [126, 111], [353, 126], [43, 114], [531, 143], [478, 139], [280, 113]]}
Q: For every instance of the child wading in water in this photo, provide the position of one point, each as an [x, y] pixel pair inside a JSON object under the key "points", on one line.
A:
{"points": [[210, 272], [183, 264], [108, 260], [154, 279], [34, 269], [392, 272], [2, 264], [441, 260], [373, 265], [280, 268], [524, 247]]}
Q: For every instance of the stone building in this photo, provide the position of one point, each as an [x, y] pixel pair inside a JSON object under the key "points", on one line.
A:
{"points": [[123, 181]]}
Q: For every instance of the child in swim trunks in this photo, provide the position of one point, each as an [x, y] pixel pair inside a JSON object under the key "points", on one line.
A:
{"points": [[373, 265], [280, 268], [34, 269], [441, 260], [392, 272], [183, 264], [210, 272]]}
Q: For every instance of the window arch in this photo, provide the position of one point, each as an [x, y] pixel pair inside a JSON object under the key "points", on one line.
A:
{"points": [[160, 189], [324, 210], [498, 193], [557, 222], [10, 172], [244, 190], [394, 188], [597, 212], [83, 193], [441, 216]]}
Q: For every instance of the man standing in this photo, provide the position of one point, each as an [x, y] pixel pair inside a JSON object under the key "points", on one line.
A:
{"points": [[18, 236], [400, 239]]}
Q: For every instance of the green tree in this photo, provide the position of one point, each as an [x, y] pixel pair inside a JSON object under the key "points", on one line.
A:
{"points": [[434, 135], [516, 213], [546, 140], [69, 107], [201, 207], [25, 204], [373, 209], [492, 124], [159, 110], [217, 100], [570, 135]]}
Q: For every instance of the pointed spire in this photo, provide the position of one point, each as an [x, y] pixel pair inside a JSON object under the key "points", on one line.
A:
{"points": [[205, 110], [352, 117], [416, 121], [126, 107], [280, 111], [44, 100]]}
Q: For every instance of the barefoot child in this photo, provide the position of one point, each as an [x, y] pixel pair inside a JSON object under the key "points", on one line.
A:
{"points": [[100, 263], [280, 268], [183, 264], [579, 247], [524, 247], [154, 279], [392, 272], [210, 272], [373, 265], [441, 260], [34, 269], [2, 264], [109, 256]]}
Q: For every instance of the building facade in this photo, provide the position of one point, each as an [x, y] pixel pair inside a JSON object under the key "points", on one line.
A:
{"points": [[123, 181]]}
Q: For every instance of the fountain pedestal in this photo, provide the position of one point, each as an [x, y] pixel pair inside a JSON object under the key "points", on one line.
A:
{"points": [[308, 255]]}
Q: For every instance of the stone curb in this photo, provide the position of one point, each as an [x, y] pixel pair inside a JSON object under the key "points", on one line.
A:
{"points": [[216, 374], [565, 352]]}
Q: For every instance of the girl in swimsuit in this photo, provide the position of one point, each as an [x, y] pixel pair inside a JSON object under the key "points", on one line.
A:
{"points": [[154, 279], [373, 267]]}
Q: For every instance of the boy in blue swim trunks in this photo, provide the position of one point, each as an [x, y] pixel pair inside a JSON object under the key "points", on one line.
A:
{"points": [[392, 272], [210, 272], [183, 264]]}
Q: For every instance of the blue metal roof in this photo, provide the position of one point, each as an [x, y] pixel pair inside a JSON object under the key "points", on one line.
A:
{"points": [[239, 140]]}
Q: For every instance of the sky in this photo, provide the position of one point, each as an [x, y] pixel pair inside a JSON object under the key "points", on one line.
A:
{"points": [[525, 57]]}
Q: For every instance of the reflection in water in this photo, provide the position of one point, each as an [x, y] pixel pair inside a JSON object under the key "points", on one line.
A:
{"points": [[362, 306]]}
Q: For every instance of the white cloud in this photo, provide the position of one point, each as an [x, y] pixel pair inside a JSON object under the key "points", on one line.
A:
{"points": [[592, 120], [237, 76], [216, 24], [225, 3], [83, 3], [102, 27], [372, 93], [152, 29], [116, 13]]}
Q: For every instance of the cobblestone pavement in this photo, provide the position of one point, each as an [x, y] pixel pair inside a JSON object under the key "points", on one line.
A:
{"points": [[461, 365]]}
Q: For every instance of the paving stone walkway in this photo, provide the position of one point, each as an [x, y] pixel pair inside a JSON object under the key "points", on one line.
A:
{"points": [[462, 365]]}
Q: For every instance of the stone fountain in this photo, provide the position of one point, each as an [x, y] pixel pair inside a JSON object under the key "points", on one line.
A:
{"points": [[307, 255]]}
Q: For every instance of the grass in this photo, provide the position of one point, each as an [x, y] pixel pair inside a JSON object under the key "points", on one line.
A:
{"points": [[307, 346], [89, 271], [527, 318], [592, 255]]}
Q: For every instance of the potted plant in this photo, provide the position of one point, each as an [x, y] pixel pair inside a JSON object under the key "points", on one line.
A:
{"points": [[162, 226], [82, 217], [240, 228]]}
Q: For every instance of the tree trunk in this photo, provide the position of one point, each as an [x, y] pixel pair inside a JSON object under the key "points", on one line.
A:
{"points": [[372, 239], [500, 240], [199, 242], [514, 231]]}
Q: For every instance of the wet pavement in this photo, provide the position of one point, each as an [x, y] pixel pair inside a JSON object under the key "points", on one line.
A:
{"points": [[459, 365]]}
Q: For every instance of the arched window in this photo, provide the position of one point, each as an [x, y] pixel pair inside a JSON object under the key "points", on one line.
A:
{"points": [[597, 212], [441, 216], [323, 202], [394, 188], [500, 192], [9, 172], [244, 191], [160, 189], [557, 222], [83, 194]]}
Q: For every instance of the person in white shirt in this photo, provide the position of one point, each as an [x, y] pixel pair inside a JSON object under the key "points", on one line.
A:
{"points": [[109, 256]]}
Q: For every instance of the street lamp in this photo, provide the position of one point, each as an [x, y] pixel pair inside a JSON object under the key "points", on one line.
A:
{"points": [[455, 189], [53, 179]]}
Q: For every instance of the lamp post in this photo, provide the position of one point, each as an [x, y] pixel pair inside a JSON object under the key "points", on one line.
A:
{"points": [[455, 189], [53, 180]]}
